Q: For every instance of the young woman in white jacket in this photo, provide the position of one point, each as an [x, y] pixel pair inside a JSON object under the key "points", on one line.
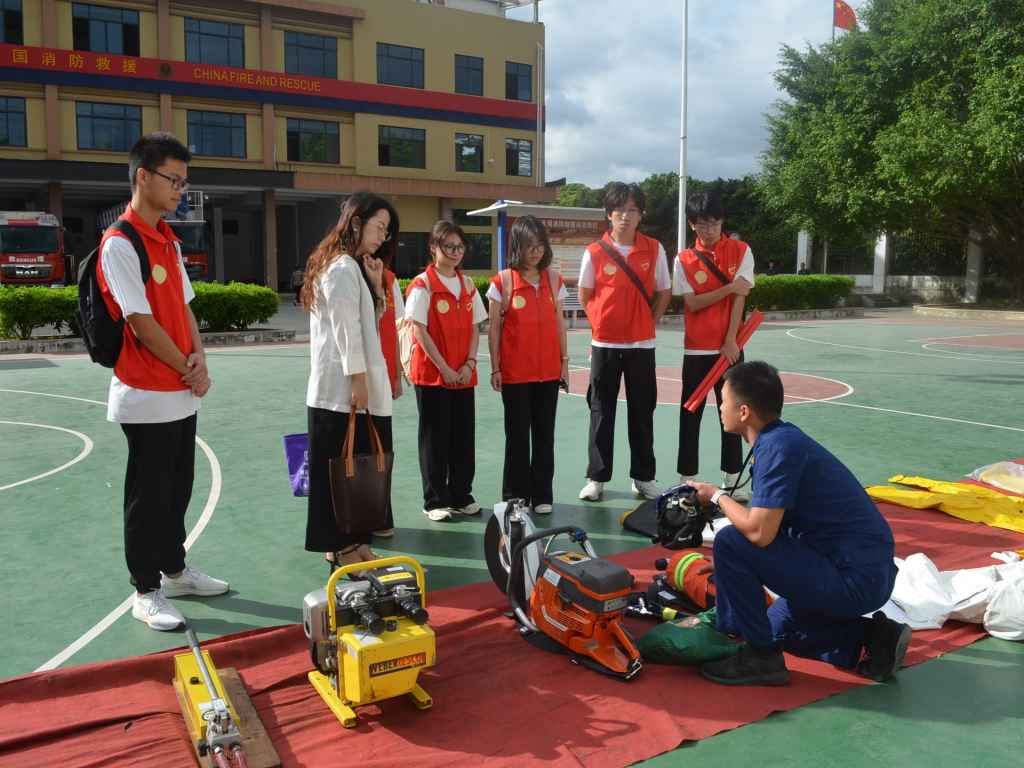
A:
{"points": [[344, 294]]}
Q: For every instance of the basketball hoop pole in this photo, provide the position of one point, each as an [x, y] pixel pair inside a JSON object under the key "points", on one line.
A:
{"points": [[681, 218]]}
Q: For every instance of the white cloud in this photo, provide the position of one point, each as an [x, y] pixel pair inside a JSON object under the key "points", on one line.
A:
{"points": [[614, 73]]}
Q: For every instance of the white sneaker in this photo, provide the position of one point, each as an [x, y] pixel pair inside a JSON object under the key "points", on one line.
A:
{"points": [[646, 488], [542, 509], [470, 509], [592, 491], [439, 514], [192, 582], [153, 608]]}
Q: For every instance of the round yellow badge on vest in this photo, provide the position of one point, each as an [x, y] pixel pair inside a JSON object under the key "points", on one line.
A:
{"points": [[519, 302], [159, 274], [443, 307], [701, 277], [610, 269]]}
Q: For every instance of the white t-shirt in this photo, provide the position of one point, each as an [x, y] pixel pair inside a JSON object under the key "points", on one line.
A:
{"points": [[681, 286], [418, 308], [129, 405], [662, 282], [344, 340], [494, 292]]}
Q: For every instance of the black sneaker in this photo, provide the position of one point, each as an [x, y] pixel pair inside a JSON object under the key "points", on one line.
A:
{"points": [[748, 667], [885, 644]]}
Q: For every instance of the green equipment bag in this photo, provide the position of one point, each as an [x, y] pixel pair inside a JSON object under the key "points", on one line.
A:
{"points": [[687, 640]]}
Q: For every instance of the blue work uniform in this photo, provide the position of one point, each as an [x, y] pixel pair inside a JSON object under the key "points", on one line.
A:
{"points": [[831, 561]]}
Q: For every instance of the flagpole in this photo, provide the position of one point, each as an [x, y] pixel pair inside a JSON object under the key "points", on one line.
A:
{"points": [[681, 216]]}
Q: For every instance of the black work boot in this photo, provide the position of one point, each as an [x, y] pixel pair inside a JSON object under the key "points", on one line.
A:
{"points": [[885, 645], [749, 666]]}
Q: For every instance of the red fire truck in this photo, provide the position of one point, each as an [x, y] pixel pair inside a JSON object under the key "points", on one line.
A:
{"points": [[31, 249], [189, 225]]}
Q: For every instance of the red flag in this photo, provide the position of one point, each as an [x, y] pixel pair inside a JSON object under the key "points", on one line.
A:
{"points": [[843, 16]]}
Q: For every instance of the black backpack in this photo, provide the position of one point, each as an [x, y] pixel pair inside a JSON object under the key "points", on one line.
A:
{"points": [[102, 334]]}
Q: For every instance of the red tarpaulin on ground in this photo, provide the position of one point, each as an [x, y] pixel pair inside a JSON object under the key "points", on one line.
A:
{"points": [[497, 700]]}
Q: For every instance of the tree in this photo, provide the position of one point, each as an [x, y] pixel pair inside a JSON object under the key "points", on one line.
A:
{"points": [[911, 124]]}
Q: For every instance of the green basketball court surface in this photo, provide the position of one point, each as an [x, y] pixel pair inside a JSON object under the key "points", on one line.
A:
{"points": [[891, 393]]}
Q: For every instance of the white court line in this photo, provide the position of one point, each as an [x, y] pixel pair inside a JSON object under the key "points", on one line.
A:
{"points": [[969, 355], [86, 450], [902, 352], [919, 415], [204, 519], [968, 336]]}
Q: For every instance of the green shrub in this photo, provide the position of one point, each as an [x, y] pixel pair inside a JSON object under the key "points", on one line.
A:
{"points": [[25, 308], [782, 292], [232, 307]]}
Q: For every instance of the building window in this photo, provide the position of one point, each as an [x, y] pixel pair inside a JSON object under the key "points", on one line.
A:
{"points": [[10, 22], [214, 42], [109, 127], [218, 134], [469, 75], [100, 29], [478, 252], [518, 157], [518, 81], [469, 153], [461, 217], [12, 122], [310, 54], [402, 147], [313, 141], [399, 65]]}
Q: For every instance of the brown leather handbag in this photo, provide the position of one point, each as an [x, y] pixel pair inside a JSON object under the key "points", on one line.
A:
{"points": [[361, 483]]}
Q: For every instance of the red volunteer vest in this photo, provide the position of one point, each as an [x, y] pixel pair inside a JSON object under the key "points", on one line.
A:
{"points": [[450, 325], [705, 329], [530, 348], [388, 330], [617, 312], [137, 366]]}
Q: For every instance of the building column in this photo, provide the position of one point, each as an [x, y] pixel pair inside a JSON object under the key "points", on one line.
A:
{"points": [[444, 208], [218, 245], [167, 115], [163, 29], [975, 268], [266, 39], [49, 12], [883, 257], [270, 239], [269, 130], [55, 200], [53, 138], [804, 248]]}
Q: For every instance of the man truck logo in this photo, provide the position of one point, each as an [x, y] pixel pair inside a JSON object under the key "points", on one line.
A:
{"points": [[397, 664]]}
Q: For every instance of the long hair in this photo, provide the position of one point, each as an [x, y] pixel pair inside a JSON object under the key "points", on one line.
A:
{"points": [[525, 231], [343, 238]]}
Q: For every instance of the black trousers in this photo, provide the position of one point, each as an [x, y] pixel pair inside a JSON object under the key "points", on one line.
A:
{"points": [[326, 435], [157, 490], [447, 436], [695, 368], [607, 368], [529, 441]]}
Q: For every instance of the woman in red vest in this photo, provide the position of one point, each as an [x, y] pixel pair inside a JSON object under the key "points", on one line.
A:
{"points": [[394, 308], [447, 311], [528, 358], [344, 294]]}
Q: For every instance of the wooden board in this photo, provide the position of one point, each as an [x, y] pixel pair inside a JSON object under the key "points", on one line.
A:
{"points": [[259, 750]]}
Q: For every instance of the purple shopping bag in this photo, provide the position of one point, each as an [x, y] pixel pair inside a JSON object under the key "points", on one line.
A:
{"points": [[296, 453]]}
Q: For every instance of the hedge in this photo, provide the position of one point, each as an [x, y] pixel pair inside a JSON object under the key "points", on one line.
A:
{"points": [[782, 292], [232, 307], [217, 307]]}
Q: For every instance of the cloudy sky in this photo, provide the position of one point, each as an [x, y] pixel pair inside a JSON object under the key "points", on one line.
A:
{"points": [[613, 82]]}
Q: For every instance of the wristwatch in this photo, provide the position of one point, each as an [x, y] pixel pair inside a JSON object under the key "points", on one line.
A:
{"points": [[717, 495]]}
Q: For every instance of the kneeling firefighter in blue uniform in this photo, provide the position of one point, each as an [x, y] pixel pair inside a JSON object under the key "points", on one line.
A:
{"points": [[812, 536]]}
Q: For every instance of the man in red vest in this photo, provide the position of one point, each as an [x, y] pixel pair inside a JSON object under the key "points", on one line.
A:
{"points": [[158, 379], [714, 278], [624, 287]]}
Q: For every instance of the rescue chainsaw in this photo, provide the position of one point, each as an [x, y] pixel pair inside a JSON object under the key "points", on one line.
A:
{"points": [[569, 596]]}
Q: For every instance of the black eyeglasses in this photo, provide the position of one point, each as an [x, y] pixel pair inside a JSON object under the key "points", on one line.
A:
{"points": [[177, 183]]}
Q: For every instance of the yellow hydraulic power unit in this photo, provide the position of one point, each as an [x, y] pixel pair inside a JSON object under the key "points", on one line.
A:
{"points": [[370, 639]]}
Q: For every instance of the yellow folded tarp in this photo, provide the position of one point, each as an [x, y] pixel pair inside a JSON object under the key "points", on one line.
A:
{"points": [[962, 500]]}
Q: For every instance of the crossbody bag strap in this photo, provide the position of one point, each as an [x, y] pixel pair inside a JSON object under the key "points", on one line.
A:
{"points": [[615, 256], [712, 267]]}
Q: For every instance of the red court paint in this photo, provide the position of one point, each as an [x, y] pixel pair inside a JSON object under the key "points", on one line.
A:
{"points": [[799, 387]]}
